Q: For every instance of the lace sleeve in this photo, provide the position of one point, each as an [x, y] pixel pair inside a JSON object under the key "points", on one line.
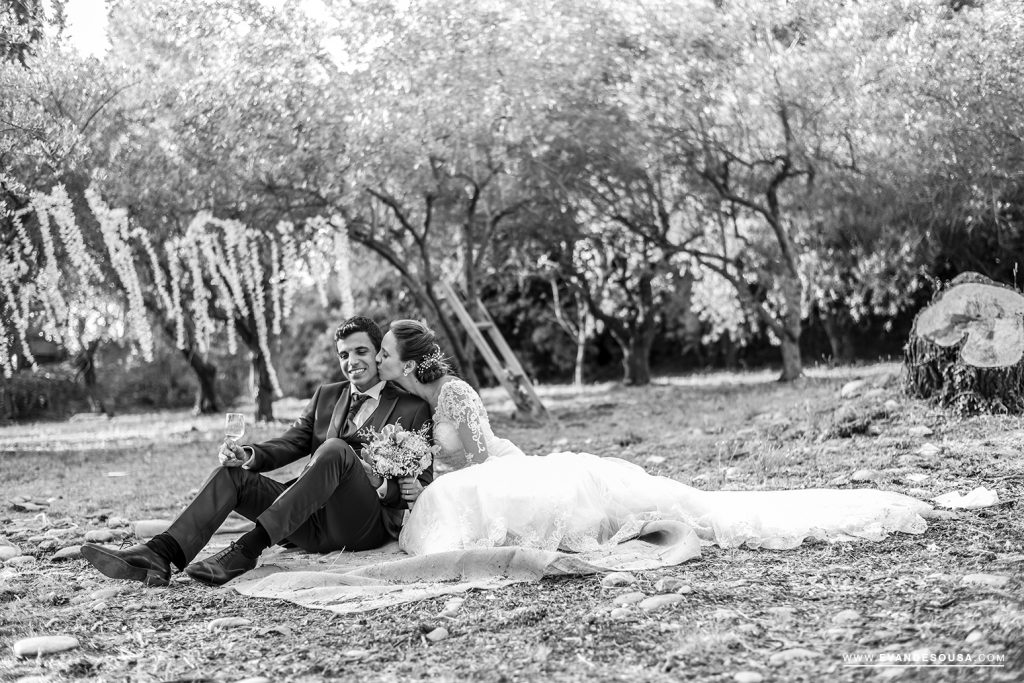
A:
{"points": [[460, 406]]}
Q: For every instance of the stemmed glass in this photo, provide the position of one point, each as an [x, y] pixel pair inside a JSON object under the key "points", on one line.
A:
{"points": [[234, 426]]}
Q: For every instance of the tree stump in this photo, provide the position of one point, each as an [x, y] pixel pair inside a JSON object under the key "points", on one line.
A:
{"points": [[966, 348]]}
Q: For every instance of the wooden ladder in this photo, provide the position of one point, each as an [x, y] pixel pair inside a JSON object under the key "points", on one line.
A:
{"points": [[497, 353]]}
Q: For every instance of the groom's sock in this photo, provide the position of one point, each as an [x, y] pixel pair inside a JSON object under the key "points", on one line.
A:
{"points": [[164, 545], [254, 542]]}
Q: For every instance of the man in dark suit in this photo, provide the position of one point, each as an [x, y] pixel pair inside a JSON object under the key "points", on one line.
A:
{"points": [[336, 502]]}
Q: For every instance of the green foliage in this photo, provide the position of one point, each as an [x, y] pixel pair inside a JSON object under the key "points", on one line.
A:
{"points": [[799, 161]]}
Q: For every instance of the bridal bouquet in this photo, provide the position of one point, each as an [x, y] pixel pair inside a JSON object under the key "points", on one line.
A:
{"points": [[398, 452]]}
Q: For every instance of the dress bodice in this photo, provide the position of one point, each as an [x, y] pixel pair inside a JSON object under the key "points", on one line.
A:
{"points": [[461, 424]]}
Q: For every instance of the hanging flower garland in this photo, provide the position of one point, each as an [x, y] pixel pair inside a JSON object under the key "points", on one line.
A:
{"points": [[159, 279], [331, 258], [317, 264], [58, 205], [177, 309], [218, 264], [114, 227], [213, 259], [289, 265], [275, 287], [49, 274]]}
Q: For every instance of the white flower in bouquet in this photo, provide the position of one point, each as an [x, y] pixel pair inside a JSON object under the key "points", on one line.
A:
{"points": [[395, 452]]}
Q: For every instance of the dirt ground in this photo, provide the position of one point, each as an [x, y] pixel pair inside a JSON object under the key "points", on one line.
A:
{"points": [[945, 605]]}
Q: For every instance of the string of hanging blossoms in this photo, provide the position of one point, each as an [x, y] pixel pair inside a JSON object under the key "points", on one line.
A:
{"points": [[331, 259], [216, 272]]}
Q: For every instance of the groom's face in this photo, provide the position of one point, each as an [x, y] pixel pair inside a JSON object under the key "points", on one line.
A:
{"points": [[358, 358]]}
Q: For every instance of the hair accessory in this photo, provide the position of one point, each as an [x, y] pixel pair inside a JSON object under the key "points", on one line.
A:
{"points": [[432, 365], [435, 357]]}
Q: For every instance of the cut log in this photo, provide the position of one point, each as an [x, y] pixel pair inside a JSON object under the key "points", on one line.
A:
{"points": [[966, 349]]}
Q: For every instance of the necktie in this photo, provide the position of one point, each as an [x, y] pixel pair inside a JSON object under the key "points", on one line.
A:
{"points": [[353, 408]]}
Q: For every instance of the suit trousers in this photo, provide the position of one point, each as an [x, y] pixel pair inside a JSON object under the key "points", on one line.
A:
{"points": [[331, 506]]}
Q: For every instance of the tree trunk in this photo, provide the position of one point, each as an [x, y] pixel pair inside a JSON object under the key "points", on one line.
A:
{"points": [[840, 339], [966, 349], [85, 369], [259, 373], [206, 372], [581, 353], [792, 326], [262, 388], [730, 351], [206, 391], [792, 364], [636, 358]]}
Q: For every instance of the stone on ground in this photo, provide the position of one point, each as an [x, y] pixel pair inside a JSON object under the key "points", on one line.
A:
{"points": [[72, 552], [747, 677], [671, 584], [846, 616], [630, 598], [452, 607], [228, 622], [20, 561], [438, 634], [99, 536], [853, 389], [148, 528], [44, 645], [618, 579], [9, 551], [865, 475], [656, 602], [992, 580]]}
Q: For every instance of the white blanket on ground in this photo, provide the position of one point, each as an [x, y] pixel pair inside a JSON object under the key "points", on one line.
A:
{"points": [[344, 582]]}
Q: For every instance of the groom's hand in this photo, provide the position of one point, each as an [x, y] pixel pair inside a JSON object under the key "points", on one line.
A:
{"points": [[411, 488], [233, 455]]}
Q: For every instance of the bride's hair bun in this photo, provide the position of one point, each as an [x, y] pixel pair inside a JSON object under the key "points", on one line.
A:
{"points": [[432, 366], [418, 342]]}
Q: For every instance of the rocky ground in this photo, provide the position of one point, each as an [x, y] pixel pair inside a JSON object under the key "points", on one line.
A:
{"points": [[824, 611]]}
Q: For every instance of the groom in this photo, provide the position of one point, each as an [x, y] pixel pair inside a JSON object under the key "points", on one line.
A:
{"points": [[337, 502]]}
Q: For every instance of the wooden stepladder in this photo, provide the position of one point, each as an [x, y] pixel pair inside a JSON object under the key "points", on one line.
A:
{"points": [[497, 353]]}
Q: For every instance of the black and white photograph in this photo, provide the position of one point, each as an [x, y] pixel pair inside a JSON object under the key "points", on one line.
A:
{"points": [[511, 340]]}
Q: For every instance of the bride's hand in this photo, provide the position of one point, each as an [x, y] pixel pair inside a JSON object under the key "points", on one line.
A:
{"points": [[411, 489]]}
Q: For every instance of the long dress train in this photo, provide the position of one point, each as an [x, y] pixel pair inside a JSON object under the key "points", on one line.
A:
{"points": [[579, 501]]}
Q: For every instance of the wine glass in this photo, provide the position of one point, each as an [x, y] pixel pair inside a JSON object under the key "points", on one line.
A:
{"points": [[234, 426]]}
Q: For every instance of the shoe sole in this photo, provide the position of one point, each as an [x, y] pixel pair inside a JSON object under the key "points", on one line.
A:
{"points": [[115, 567]]}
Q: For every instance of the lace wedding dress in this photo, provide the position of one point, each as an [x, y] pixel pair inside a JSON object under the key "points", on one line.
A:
{"points": [[578, 501]]}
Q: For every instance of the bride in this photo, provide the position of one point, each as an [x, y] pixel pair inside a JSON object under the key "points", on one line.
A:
{"points": [[578, 501]]}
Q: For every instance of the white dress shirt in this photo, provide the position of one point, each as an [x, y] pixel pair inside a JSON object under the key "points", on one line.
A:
{"points": [[364, 413], [369, 405]]}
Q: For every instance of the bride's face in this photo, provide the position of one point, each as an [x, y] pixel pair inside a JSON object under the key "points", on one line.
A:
{"points": [[389, 366]]}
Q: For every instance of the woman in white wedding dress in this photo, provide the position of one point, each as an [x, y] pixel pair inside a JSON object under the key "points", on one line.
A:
{"points": [[578, 501]]}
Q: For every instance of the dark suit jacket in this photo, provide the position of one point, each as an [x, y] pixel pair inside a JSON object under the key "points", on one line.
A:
{"points": [[323, 418]]}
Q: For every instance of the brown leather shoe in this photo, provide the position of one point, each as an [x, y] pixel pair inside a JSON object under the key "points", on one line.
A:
{"points": [[218, 569], [137, 563]]}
